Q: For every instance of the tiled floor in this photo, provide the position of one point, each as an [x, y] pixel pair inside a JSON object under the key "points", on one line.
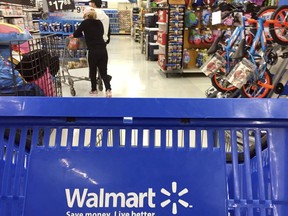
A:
{"points": [[134, 76]]}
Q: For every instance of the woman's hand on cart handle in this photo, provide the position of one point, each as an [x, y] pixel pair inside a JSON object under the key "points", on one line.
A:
{"points": [[71, 35]]}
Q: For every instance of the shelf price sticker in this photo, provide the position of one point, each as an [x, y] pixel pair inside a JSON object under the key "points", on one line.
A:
{"points": [[58, 5], [216, 18]]}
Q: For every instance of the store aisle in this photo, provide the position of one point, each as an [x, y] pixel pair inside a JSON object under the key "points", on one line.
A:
{"points": [[134, 76]]}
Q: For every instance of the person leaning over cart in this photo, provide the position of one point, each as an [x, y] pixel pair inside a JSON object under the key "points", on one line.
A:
{"points": [[97, 52], [102, 16]]}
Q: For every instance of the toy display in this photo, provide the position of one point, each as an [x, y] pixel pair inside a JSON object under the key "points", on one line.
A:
{"points": [[206, 17], [207, 37], [186, 58], [190, 19]]}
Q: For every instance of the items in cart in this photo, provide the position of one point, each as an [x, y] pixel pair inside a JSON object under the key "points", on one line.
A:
{"points": [[10, 33], [33, 64], [73, 43], [72, 59], [82, 63], [8, 77], [33, 72]]}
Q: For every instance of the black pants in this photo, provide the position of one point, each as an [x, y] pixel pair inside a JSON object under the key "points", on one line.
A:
{"points": [[98, 58]]}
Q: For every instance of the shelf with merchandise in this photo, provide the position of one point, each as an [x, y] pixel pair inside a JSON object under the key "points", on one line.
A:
{"points": [[199, 34], [171, 38], [113, 15], [20, 15]]}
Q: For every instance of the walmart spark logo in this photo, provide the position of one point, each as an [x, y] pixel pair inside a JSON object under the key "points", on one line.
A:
{"points": [[180, 201]]}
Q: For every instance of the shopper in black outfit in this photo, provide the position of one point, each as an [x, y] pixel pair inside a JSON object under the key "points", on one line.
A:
{"points": [[97, 53]]}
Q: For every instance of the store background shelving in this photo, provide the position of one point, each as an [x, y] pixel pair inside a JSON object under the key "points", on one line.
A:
{"points": [[20, 15], [114, 20], [136, 24], [151, 29], [170, 36]]}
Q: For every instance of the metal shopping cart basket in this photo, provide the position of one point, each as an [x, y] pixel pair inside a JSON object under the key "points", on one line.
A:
{"points": [[30, 68], [75, 59], [156, 157]]}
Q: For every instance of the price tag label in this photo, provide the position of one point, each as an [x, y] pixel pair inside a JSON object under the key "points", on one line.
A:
{"points": [[216, 18], [58, 5]]}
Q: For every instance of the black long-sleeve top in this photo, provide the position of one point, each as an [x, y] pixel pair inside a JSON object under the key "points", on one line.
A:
{"points": [[93, 32]]}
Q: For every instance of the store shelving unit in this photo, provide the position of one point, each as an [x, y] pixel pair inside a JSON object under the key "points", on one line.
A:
{"points": [[136, 24], [114, 20], [170, 36], [198, 38], [12, 13], [124, 22], [18, 15], [150, 32], [29, 23]]}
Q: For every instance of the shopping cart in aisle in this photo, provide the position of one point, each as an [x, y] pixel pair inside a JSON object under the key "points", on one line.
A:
{"points": [[30, 68], [76, 59], [152, 159]]}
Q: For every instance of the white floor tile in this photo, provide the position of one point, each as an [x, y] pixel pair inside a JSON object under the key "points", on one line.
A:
{"points": [[134, 76]]}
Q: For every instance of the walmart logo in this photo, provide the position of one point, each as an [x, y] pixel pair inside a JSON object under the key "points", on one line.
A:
{"points": [[179, 201], [103, 199]]}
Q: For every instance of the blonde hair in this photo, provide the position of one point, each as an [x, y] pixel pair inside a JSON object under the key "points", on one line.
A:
{"points": [[90, 14]]}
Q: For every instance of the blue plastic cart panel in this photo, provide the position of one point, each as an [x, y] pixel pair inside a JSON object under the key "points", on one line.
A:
{"points": [[143, 157], [121, 181]]}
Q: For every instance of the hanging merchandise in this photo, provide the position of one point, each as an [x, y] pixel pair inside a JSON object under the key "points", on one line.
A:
{"points": [[201, 58], [171, 38], [207, 37], [206, 17], [228, 21], [196, 3], [195, 36], [186, 58], [188, 4], [190, 19], [216, 33]]}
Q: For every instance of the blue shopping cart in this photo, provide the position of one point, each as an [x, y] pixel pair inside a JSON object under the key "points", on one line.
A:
{"points": [[143, 157]]}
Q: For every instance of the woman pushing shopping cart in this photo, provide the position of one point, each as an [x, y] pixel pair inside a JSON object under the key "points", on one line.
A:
{"points": [[98, 57]]}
